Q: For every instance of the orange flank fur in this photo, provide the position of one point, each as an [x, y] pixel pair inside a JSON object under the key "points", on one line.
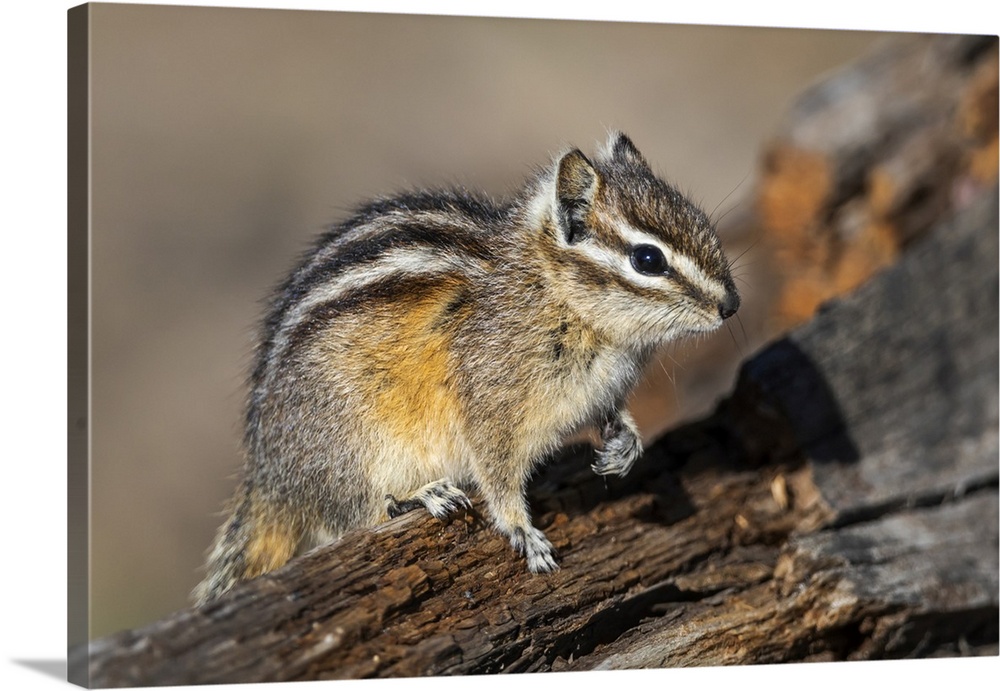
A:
{"points": [[417, 409]]}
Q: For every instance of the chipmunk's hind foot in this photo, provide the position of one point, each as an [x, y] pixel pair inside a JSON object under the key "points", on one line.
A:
{"points": [[536, 548], [440, 498]]}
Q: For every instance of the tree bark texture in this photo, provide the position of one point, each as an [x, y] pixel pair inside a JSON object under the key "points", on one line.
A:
{"points": [[841, 504]]}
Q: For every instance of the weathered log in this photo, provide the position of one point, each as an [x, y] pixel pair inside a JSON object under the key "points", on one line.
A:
{"points": [[890, 398], [841, 504]]}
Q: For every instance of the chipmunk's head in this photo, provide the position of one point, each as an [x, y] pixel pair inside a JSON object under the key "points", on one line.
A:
{"points": [[634, 255]]}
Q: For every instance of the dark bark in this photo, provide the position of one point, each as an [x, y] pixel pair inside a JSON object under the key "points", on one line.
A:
{"points": [[841, 504]]}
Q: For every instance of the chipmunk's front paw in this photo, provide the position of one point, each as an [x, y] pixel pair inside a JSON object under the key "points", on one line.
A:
{"points": [[536, 548], [619, 454]]}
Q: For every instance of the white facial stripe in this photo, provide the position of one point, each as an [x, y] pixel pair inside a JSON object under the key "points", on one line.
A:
{"points": [[540, 210], [542, 206], [603, 256], [680, 263]]}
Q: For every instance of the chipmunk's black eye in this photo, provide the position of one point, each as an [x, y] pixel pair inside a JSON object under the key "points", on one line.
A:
{"points": [[649, 260]]}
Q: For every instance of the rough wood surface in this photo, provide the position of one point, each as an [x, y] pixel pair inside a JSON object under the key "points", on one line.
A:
{"points": [[890, 398], [841, 504]]}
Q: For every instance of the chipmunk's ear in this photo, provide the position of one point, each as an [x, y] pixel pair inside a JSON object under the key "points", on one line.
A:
{"points": [[621, 148], [576, 185]]}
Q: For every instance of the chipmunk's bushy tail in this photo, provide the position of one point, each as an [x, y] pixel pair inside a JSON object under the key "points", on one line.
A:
{"points": [[256, 538]]}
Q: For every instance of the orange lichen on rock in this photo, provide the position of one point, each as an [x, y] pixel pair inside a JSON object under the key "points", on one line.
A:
{"points": [[794, 189], [875, 247], [978, 115], [840, 197]]}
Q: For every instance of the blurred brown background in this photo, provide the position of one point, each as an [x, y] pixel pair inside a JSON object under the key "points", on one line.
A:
{"points": [[224, 140]]}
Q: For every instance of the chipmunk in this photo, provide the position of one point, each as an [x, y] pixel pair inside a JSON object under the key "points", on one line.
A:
{"points": [[441, 341]]}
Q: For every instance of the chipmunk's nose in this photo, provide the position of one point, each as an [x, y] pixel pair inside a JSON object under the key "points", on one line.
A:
{"points": [[729, 304]]}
